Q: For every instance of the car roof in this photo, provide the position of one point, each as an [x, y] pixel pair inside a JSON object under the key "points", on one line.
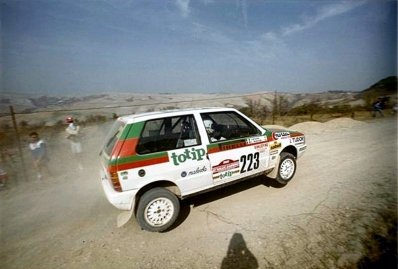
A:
{"points": [[169, 113]]}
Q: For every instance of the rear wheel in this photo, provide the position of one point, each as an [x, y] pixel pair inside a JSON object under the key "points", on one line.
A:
{"points": [[157, 210], [286, 168]]}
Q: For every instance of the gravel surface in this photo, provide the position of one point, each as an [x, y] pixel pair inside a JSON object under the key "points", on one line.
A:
{"points": [[338, 211]]}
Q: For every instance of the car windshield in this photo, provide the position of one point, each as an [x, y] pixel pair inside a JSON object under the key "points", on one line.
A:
{"points": [[113, 136]]}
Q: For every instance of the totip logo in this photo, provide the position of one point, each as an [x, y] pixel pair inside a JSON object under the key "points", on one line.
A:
{"points": [[193, 154]]}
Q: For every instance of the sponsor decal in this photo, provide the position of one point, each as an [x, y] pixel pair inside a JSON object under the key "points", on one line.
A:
{"points": [[226, 174], [255, 140], [124, 175], [298, 140], [225, 166], [141, 173], [228, 145], [303, 148], [275, 145], [225, 169], [232, 146], [188, 154], [278, 135], [197, 171], [183, 174], [261, 147], [274, 152]]}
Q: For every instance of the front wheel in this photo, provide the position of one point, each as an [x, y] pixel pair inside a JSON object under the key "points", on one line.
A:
{"points": [[286, 168], [157, 210]]}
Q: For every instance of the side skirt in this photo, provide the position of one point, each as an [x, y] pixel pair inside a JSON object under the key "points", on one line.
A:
{"points": [[222, 185]]}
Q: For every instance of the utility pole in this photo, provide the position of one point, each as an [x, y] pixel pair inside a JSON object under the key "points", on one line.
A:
{"points": [[14, 123], [274, 108]]}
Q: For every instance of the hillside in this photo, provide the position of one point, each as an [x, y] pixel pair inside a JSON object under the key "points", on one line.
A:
{"points": [[37, 109], [387, 86], [139, 102]]}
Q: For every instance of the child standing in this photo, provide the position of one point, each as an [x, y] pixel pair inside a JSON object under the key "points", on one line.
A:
{"points": [[38, 149]]}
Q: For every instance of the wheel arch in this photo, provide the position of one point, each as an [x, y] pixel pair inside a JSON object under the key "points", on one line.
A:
{"points": [[290, 149], [172, 187]]}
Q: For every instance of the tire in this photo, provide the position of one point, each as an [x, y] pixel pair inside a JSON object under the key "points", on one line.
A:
{"points": [[286, 168], [157, 210]]}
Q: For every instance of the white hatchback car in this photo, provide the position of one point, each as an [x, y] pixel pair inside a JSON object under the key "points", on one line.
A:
{"points": [[152, 160]]}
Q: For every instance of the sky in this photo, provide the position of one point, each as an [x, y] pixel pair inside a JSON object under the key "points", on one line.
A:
{"points": [[196, 46]]}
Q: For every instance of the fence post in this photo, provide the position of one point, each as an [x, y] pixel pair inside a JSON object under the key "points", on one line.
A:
{"points": [[274, 108], [14, 123]]}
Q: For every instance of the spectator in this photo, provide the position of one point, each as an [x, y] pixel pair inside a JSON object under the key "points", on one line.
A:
{"points": [[395, 109], [74, 136], [378, 107], [3, 177], [38, 149]]}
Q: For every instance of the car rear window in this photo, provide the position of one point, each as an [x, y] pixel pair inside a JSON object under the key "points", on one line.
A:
{"points": [[113, 136]]}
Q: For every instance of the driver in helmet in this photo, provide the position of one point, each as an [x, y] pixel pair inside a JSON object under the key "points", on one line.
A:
{"points": [[212, 130], [208, 124]]}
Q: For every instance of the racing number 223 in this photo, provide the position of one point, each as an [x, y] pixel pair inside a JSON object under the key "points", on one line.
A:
{"points": [[249, 162]]}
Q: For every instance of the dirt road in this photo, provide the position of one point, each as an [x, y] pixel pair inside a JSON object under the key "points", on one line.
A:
{"points": [[342, 199]]}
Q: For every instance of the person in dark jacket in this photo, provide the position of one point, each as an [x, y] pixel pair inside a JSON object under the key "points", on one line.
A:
{"points": [[378, 107]]}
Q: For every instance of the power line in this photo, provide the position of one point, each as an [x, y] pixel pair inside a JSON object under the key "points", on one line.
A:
{"points": [[137, 105]]}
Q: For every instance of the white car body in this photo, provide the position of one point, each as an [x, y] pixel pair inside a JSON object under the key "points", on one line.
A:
{"points": [[139, 153]]}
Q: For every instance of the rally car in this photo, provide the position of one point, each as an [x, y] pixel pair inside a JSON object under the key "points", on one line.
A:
{"points": [[151, 161]]}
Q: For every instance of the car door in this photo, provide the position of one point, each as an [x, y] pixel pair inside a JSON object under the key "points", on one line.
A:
{"points": [[236, 147], [177, 139]]}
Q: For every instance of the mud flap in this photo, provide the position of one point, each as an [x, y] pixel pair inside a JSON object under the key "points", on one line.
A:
{"points": [[124, 217], [274, 172]]}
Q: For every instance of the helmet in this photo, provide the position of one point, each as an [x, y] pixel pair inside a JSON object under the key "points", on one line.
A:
{"points": [[185, 130], [69, 119], [208, 125]]}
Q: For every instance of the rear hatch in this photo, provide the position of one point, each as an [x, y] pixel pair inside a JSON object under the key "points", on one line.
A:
{"points": [[110, 142]]}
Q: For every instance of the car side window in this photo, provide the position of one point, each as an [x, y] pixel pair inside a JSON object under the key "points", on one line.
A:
{"points": [[227, 125], [167, 134]]}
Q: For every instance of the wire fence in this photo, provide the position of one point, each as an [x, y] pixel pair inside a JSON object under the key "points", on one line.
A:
{"points": [[16, 124], [191, 100]]}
